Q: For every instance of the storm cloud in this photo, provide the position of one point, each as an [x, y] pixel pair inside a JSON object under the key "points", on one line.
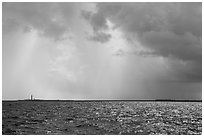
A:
{"points": [[52, 20], [170, 30], [102, 50]]}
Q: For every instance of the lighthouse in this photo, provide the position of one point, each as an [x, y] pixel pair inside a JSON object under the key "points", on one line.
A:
{"points": [[31, 97]]}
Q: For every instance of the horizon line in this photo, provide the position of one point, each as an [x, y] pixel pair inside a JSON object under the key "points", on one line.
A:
{"points": [[101, 100]]}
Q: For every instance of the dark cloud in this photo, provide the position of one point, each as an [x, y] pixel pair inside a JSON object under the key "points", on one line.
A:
{"points": [[119, 52], [142, 53], [101, 37], [170, 30], [99, 24], [186, 71], [9, 25], [49, 19], [98, 21], [184, 47]]}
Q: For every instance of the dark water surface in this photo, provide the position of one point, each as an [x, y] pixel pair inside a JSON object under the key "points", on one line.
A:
{"points": [[119, 117]]}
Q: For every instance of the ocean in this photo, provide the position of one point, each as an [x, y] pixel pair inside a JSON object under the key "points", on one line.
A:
{"points": [[101, 118]]}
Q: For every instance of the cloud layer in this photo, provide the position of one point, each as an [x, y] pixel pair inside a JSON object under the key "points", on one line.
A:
{"points": [[170, 30], [52, 20], [102, 50]]}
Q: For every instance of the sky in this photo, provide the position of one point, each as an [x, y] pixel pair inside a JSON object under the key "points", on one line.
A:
{"points": [[102, 50]]}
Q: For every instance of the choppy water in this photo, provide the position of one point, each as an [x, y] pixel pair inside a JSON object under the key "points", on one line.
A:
{"points": [[40, 117]]}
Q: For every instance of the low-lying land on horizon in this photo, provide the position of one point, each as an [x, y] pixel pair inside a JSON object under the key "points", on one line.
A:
{"points": [[111, 100]]}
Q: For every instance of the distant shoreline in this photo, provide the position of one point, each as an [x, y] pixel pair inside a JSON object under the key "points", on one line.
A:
{"points": [[156, 100]]}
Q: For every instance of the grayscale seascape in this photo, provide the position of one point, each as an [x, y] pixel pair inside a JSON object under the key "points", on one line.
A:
{"points": [[102, 68]]}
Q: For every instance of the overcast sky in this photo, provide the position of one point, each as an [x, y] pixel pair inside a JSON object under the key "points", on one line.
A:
{"points": [[102, 50]]}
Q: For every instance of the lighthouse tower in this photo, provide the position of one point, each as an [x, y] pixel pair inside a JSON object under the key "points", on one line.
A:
{"points": [[31, 97]]}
